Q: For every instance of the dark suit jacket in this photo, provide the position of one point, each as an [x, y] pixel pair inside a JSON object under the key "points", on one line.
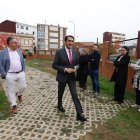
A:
{"points": [[121, 70], [61, 61]]}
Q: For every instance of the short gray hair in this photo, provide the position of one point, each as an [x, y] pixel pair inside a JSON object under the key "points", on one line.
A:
{"points": [[9, 39]]}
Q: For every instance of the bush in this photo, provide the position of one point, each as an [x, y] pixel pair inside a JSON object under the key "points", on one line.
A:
{"points": [[30, 54]]}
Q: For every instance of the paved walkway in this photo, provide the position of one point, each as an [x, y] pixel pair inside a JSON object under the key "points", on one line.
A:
{"points": [[38, 118]]}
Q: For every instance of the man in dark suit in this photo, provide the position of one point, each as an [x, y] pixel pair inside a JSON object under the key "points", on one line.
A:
{"points": [[66, 64]]}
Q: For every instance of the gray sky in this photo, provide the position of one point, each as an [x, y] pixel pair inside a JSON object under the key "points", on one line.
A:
{"points": [[91, 17]]}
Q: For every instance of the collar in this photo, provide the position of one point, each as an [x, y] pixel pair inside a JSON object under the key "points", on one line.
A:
{"points": [[68, 49], [10, 50]]}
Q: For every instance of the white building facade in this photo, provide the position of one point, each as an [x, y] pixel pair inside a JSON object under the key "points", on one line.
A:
{"points": [[50, 37], [118, 37], [26, 29]]}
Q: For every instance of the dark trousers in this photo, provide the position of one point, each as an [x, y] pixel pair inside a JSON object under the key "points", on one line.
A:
{"points": [[119, 93], [137, 97], [72, 87], [94, 74], [82, 83]]}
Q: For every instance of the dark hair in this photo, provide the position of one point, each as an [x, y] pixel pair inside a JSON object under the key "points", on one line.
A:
{"points": [[66, 37], [9, 39], [126, 48]]}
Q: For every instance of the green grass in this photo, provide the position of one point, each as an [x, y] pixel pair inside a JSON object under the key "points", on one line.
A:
{"points": [[126, 124], [4, 105], [107, 89], [42, 65]]}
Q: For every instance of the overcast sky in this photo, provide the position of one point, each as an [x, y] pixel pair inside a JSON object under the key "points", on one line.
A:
{"points": [[91, 17]]}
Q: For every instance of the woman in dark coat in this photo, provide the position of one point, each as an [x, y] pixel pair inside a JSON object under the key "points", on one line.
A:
{"points": [[82, 71], [120, 74]]}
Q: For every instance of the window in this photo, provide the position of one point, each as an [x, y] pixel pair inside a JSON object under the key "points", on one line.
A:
{"points": [[53, 40], [53, 34], [40, 34], [30, 42], [22, 27], [54, 46], [53, 28], [26, 28], [22, 41], [17, 26], [26, 42]]}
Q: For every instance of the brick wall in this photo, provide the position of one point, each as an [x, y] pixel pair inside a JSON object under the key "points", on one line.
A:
{"points": [[49, 55]]}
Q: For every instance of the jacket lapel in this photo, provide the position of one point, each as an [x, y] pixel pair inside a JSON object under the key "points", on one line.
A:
{"points": [[7, 54], [65, 55], [73, 56]]}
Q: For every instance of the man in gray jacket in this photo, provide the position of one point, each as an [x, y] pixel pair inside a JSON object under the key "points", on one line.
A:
{"points": [[12, 69]]}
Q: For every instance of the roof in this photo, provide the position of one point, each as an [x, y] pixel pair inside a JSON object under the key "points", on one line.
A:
{"points": [[8, 21]]}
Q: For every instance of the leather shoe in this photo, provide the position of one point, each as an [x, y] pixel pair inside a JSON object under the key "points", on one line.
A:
{"points": [[114, 99], [81, 118], [14, 109], [120, 102], [20, 98], [61, 109]]}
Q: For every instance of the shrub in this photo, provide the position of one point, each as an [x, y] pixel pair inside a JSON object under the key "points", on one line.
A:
{"points": [[30, 54]]}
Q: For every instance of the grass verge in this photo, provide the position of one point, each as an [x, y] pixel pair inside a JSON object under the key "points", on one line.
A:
{"points": [[4, 105]]}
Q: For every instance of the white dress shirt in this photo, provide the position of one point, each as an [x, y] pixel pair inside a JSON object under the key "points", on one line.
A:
{"points": [[15, 63], [67, 50]]}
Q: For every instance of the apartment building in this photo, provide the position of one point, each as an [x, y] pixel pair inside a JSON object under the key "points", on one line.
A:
{"points": [[50, 37]]}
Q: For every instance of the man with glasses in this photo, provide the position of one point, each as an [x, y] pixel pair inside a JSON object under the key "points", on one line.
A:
{"points": [[12, 68]]}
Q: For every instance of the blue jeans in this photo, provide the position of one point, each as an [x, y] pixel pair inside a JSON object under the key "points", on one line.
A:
{"points": [[94, 74]]}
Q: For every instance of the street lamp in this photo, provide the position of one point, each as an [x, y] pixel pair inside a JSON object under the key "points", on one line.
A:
{"points": [[74, 27]]}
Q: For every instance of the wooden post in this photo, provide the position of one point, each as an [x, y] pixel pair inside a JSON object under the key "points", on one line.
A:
{"points": [[138, 46]]}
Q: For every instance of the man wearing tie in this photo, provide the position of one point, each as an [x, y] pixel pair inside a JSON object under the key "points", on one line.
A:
{"points": [[66, 64]]}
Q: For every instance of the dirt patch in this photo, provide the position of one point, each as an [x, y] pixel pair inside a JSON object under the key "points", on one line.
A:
{"points": [[45, 64], [101, 133]]}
